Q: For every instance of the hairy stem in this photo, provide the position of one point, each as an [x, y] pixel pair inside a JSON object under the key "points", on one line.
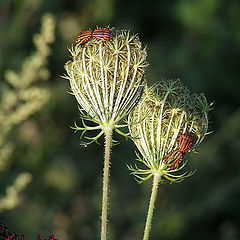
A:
{"points": [[153, 198], [108, 139]]}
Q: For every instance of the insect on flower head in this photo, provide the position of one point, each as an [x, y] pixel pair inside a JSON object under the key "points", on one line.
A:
{"points": [[168, 123], [106, 75]]}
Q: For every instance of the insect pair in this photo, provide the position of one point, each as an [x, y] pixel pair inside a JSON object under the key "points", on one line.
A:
{"points": [[185, 142], [100, 34]]}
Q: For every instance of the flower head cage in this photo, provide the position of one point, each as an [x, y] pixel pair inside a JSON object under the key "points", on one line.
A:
{"points": [[107, 77], [168, 123]]}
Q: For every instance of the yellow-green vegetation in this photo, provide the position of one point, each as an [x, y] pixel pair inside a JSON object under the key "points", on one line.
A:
{"points": [[20, 98], [11, 198]]}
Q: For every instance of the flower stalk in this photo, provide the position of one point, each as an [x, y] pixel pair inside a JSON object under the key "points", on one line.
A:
{"points": [[156, 180], [108, 140]]}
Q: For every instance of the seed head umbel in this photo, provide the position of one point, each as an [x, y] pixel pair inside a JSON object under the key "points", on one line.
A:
{"points": [[167, 124], [107, 78]]}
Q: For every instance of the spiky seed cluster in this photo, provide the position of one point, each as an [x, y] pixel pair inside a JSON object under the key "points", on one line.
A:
{"points": [[166, 111], [107, 78]]}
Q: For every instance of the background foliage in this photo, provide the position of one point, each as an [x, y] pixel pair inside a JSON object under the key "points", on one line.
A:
{"points": [[196, 41]]}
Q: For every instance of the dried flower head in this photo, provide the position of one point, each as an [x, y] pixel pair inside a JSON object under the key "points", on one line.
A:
{"points": [[168, 123], [107, 78]]}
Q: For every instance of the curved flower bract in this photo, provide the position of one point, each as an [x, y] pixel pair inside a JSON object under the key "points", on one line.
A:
{"points": [[107, 78], [166, 111]]}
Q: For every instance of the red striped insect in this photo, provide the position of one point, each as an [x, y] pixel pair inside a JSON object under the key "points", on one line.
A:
{"points": [[175, 156], [102, 34], [185, 143], [84, 37]]}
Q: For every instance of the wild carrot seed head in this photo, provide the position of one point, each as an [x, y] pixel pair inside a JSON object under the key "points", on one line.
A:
{"points": [[107, 77], [165, 112]]}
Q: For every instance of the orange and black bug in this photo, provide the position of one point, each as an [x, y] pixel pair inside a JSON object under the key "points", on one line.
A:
{"points": [[185, 143], [102, 34], [83, 37], [175, 156]]}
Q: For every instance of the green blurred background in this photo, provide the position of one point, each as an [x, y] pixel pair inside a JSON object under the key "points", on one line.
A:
{"points": [[196, 41]]}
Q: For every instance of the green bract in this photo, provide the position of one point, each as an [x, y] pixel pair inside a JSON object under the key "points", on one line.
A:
{"points": [[165, 111]]}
